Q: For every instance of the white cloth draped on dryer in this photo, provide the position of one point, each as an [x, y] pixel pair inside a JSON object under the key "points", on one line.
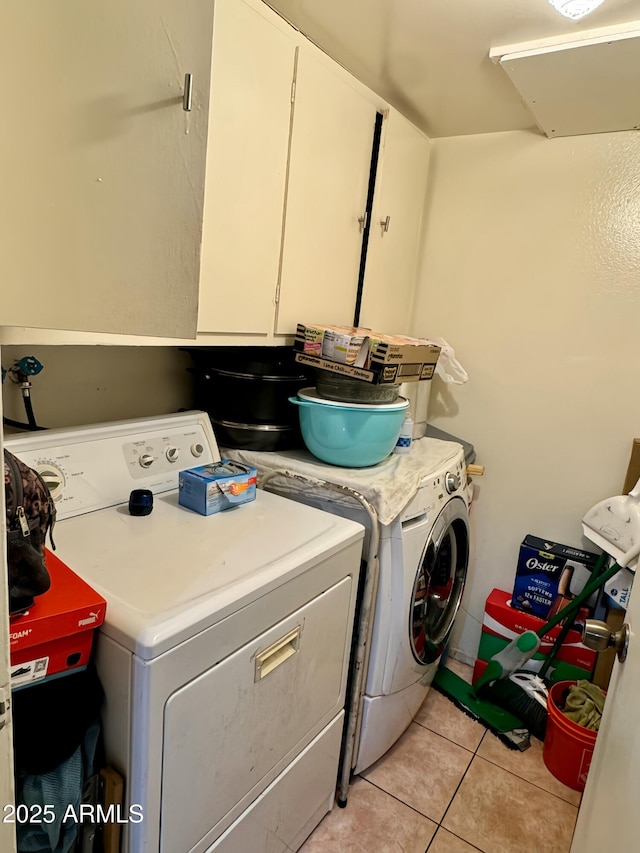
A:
{"points": [[388, 486]]}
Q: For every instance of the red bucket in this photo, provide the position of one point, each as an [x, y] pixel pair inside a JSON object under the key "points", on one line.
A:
{"points": [[568, 747]]}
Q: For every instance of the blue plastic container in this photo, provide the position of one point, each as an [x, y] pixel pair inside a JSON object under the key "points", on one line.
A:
{"points": [[349, 434]]}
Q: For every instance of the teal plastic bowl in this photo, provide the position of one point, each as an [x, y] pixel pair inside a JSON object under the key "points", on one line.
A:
{"points": [[348, 434]]}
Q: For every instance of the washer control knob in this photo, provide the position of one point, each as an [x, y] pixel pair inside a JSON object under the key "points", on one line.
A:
{"points": [[451, 482], [146, 460], [172, 453], [197, 449]]}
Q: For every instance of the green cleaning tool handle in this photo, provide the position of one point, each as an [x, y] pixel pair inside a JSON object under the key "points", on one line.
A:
{"points": [[571, 611], [581, 597], [512, 657]]}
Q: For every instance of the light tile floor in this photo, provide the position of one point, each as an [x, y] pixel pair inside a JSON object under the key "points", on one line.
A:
{"points": [[449, 786]]}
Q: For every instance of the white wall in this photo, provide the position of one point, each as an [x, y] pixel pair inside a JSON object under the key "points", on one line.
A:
{"points": [[90, 384], [531, 270]]}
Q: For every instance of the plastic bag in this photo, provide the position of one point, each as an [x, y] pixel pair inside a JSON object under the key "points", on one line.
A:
{"points": [[448, 368]]}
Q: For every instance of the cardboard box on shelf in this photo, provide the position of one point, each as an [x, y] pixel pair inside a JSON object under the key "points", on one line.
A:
{"points": [[395, 349], [364, 354], [539, 582], [343, 344], [55, 635], [388, 374], [503, 623]]}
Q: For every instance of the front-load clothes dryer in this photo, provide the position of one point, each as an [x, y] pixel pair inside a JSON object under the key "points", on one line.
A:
{"points": [[225, 649], [421, 501]]}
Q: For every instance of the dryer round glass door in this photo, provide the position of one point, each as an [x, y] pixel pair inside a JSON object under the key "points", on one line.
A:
{"points": [[439, 583]]}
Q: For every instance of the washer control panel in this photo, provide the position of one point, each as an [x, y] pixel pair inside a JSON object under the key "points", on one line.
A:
{"points": [[435, 489], [451, 482]]}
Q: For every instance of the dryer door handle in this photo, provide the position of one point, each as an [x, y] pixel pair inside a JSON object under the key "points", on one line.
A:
{"points": [[277, 653]]}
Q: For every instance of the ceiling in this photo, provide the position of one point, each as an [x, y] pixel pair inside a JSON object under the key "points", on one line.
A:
{"points": [[430, 58]]}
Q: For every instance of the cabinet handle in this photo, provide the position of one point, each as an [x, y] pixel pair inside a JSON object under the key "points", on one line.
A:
{"points": [[384, 223], [188, 88], [362, 221]]}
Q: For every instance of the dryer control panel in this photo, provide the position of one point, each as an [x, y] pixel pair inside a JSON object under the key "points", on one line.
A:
{"points": [[93, 467]]}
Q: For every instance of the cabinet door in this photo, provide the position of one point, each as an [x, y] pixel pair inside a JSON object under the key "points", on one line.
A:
{"points": [[329, 168], [101, 169], [394, 237], [249, 123]]}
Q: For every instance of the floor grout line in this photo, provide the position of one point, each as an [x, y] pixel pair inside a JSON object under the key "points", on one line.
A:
{"points": [[455, 792], [455, 835], [398, 800], [486, 733], [473, 754], [523, 779], [493, 764], [461, 745]]}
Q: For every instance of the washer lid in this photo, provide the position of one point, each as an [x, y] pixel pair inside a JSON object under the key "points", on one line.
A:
{"points": [[169, 575], [312, 395]]}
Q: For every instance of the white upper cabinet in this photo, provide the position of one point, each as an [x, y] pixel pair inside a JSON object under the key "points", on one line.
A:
{"points": [[249, 122], [288, 160], [127, 216], [330, 159], [395, 231], [102, 171]]}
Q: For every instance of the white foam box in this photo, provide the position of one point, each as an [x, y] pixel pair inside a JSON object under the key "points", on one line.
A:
{"points": [[213, 488]]}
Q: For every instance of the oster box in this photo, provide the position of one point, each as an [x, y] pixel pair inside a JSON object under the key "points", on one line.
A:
{"points": [[55, 635], [548, 574], [502, 623]]}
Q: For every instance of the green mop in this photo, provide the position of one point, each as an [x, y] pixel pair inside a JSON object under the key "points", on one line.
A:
{"points": [[525, 693], [476, 699], [510, 729]]}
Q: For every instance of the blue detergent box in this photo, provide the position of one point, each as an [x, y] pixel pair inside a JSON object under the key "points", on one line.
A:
{"points": [[549, 573], [213, 488]]}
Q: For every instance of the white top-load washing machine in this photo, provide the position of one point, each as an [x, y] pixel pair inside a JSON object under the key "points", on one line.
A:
{"points": [[421, 501], [224, 654]]}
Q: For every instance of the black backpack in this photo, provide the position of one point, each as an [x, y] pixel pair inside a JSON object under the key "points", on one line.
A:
{"points": [[31, 513]]}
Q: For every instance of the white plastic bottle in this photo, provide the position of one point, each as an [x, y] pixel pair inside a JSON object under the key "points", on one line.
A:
{"points": [[403, 445]]}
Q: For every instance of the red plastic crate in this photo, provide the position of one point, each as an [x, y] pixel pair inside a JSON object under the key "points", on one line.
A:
{"points": [[503, 621]]}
